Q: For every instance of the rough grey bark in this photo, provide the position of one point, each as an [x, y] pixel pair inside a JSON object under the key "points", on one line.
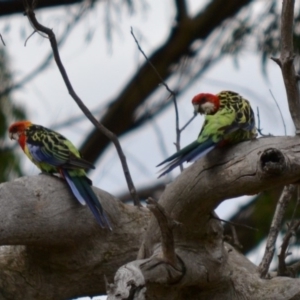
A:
{"points": [[212, 269], [51, 246], [43, 257]]}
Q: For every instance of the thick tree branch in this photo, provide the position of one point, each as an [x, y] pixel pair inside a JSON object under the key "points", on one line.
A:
{"points": [[37, 212], [16, 6], [223, 174], [290, 80], [64, 253]]}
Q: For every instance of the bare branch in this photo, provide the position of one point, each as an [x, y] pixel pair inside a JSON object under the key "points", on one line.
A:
{"points": [[286, 62], [190, 199], [61, 233], [282, 119], [277, 60], [282, 268], [259, 129], [188, 122], [172, 94], [150, 63], [178, 130], [234, 223], [284, 200], [181, 10], [290, 80], [236, 242], [166, 225], [2, 40], [40, 28]]}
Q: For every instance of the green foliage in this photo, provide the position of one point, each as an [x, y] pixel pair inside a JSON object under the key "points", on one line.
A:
{"points": [[9, 160]]}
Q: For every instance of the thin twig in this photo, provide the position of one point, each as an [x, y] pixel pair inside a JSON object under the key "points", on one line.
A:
{"points": [[172, 93], [31, 15], [235, 238], [188, 122], [34, 31], [258, 125], [282, 119], [150, 63], [2, 40], [280, 263], [281, 206], [282, 269], [234, 223]]}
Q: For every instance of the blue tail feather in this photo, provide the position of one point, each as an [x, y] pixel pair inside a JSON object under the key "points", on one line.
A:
{"points": [[190, 153], [83, 192]]}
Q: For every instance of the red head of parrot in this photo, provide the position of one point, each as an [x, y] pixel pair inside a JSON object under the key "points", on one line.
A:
{"points": [[17, 132], [205, 103]]}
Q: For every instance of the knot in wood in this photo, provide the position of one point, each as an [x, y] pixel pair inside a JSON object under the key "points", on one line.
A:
{"points": [[272, 161]]}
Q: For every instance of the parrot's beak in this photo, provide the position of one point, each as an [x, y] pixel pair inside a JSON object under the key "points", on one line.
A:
{"points": [[196, 108], [13, 136]]}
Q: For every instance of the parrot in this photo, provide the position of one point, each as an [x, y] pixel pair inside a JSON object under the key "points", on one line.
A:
{"points": [[229, 119], [52, 153]]}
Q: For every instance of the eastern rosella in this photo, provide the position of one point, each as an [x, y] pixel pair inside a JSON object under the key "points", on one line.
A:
{"points": [[53, 153], [229, 119]]}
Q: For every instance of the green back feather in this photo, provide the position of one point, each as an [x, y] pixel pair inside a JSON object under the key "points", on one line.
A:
{"points": [[58, 149]]}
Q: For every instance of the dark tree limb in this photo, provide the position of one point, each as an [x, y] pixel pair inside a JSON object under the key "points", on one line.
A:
{"points": [[166, 225], [199, 243], [286, 61], [282, 204], [16, 6], [181, 10], [50, 34], [282, 268], [2, 40]]}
